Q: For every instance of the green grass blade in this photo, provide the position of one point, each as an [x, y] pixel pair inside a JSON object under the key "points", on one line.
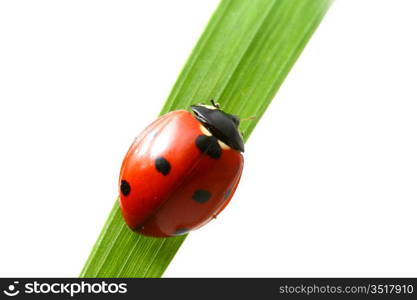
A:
{"points": [[242, 58]]}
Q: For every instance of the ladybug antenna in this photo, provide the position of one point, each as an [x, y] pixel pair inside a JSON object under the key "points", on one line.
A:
{"points": [[215, 104], [248, 118]]}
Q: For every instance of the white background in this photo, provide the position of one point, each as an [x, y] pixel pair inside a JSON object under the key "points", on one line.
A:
{"points": [[330, 182]]}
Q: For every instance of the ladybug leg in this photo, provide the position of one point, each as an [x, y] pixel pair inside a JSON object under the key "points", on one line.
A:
{"points": [[249, 118], [215, 104]]}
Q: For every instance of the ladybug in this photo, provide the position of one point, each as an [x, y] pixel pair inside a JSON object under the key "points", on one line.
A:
{"points": [[181, 171]]}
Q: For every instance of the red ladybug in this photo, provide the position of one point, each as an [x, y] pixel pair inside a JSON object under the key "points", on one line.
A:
{"points": [[181, 171]]}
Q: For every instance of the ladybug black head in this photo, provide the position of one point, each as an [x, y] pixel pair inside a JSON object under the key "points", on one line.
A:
{"points": [[222, 125]]}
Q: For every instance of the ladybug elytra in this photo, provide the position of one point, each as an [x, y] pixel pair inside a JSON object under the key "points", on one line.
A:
{"points": [[181, 171]]}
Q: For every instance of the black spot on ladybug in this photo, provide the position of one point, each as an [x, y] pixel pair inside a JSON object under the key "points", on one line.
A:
{"points": [[201, 196], [125, 187], [181, 231], [227, 193], [209, 145], [162, 165]]}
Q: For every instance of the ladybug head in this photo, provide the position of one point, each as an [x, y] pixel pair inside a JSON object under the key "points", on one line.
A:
{"points": [[222, 125]]}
